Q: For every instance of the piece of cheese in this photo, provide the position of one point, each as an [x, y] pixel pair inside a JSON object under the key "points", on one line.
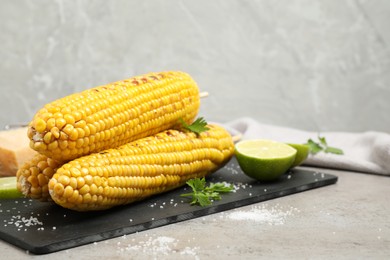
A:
{"points": [[14, 150]]}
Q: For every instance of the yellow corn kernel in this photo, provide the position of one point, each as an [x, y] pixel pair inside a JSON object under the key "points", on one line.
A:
{"points": [[114, 114], [34, 175], [139, 169]]}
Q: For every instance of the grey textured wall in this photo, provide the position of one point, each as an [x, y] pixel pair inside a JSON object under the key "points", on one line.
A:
{"points": [[310, 64]]}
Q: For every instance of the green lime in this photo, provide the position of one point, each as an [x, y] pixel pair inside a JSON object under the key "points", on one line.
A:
{"points": [[264, 160], [302, 153], [8, 189]]}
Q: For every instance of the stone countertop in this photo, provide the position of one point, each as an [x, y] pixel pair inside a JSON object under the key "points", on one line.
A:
{"points": [[347, 220]]}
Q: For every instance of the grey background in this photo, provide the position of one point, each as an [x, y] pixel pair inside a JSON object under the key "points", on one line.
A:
{"points": [[313, 65]]}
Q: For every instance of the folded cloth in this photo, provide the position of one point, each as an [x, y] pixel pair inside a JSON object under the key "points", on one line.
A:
{"points": [[367, 152]]}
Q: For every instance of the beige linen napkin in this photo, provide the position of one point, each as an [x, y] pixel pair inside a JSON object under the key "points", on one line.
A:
{"points": [[367, 152]]}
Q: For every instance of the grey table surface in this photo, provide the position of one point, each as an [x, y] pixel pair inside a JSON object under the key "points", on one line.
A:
{"points": [[347, 220]]}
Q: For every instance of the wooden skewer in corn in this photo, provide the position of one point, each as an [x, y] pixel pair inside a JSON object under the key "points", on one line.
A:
{"points": [[203, 94], [236, 138]]}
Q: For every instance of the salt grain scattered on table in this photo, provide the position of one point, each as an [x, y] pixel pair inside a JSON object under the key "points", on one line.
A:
{"points": [[158, 246], [260, 213]]}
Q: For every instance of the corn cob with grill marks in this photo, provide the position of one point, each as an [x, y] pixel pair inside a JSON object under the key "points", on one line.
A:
{"points": [[111, 115], [34, 175], [139, 169]]}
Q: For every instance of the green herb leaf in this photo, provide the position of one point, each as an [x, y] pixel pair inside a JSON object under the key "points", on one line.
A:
{"points": [[314, 147], [202, 199], [333, 150], [197, 184], [322, 141], [322, 146], [204, 195], [220, 187], [198, 126]]}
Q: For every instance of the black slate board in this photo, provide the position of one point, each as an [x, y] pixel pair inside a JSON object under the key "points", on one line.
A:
{"points": [[42, 228]]}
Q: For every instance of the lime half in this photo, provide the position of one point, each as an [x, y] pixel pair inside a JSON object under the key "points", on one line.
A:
{"points": [[302, 153], [8, 189], [264, 160]]}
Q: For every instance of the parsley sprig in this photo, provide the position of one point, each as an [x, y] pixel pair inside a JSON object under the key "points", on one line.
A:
{"points": [[198, 126], [322, 146], [204, 195]]}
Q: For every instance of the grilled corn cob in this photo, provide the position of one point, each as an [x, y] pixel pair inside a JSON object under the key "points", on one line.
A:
{"points": [[139, 169], [111, 115], [33, 177]]}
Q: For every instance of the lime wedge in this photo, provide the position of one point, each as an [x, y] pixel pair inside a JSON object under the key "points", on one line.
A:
{"points": [[8, 188], [264, 160], [302, 153]]}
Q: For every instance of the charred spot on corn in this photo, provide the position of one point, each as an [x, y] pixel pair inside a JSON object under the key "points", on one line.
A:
{"points": [[114, 114], [140, 169]]}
